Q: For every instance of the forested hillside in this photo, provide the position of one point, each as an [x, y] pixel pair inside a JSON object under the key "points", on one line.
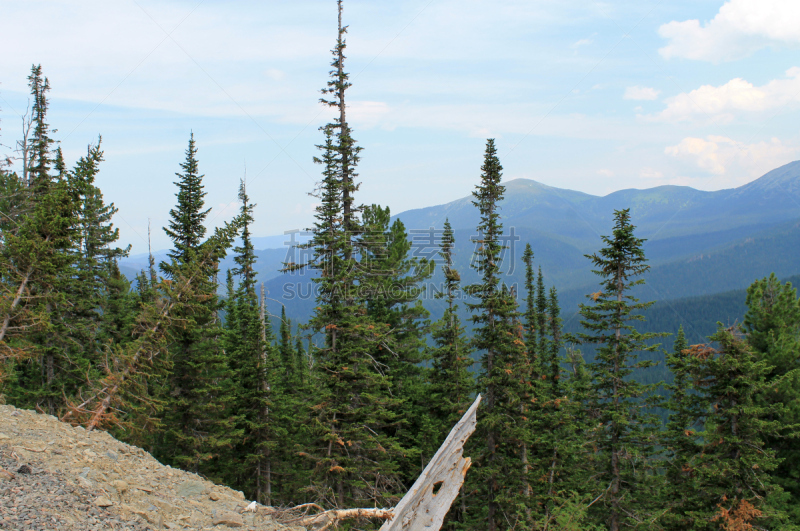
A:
{"points": [[718, 268], [612, 399]]}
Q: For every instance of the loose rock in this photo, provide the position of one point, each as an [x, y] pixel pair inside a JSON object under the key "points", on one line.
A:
{"points": [[229, 519], [73, 480], [191, 488], [102, 501], [120, 486]]}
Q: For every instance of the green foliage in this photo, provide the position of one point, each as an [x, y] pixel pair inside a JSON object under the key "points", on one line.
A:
{"points": [[58, 254], [451, 382], [390, 284], [625, 434], [186, 229], [501, 471], [254, 367], [352, 451], [720, 461], [197, 425], [772, 324]]}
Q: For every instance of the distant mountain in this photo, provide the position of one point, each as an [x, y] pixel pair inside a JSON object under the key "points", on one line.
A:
{"points": [[697, 242], [726, 267], [661, 214]]}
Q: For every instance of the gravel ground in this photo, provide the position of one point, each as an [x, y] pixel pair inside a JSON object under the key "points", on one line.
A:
{"points": [[43, 499], [57, 477]]}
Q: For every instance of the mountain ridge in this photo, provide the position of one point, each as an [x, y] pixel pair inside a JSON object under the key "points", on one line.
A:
{"points": [[660, 212], [696, 240]]}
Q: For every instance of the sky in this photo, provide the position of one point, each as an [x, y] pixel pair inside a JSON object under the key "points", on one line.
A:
{"points": [[585, 95]]}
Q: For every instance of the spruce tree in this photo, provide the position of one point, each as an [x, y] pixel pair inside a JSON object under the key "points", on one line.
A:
{"points": [[346, 148], [505, 370], [41, 158], [541, 316], [42, 249], [553, 356], [88, 288], [186, 229], [287, 351], [256, 369], [531, 317], [534, 456], [67, 237], [297, 396], [557, 433], [452, 383], [681, 438], [554, 412], [196, 420], [625, 438], [354, 459], [772, 324], [724, 480], [390, 283]]}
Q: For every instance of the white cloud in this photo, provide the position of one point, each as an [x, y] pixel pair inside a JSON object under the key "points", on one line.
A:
{"points": [[740, 28], [581, 42], [650, 173], [605, 172], [275, 74], [719, 155], [641, 93], [737, 95], [368, 114], [226, 210]]}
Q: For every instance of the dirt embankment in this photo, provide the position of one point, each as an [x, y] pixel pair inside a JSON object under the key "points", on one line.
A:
{"points": [[54, 476]]}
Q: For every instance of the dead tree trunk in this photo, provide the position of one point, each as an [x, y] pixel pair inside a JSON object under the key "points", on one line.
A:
{"points": [[424, 507]]}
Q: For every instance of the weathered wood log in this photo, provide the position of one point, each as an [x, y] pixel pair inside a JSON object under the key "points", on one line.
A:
{"points": [[424, 507], [324, 520]]}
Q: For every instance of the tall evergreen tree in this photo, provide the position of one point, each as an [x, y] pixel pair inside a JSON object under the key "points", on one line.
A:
{"points": [[452, 382], [354, 458], [256, 369], [681, 437], [772, 324], [41, 254], [724, 480], [347, 151], [554, 413], [186, 229], [541, 316], [89, 283], [531, 317], [197, 424], [390, 283], [533, 455], [504, 364], [625, 439], [41, 158]]}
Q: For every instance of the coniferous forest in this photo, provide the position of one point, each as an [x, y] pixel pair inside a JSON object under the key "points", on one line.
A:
{"points": [[345, 410]]}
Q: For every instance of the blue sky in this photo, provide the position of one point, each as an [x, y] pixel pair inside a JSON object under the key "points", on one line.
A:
{"points": [[592, 96]]}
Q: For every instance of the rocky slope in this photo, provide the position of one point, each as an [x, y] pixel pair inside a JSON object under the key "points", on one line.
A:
{"points": [[55, 476]]}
